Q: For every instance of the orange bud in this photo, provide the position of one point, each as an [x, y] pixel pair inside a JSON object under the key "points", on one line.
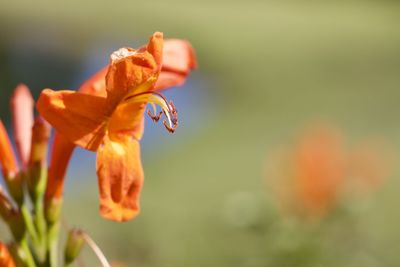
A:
{"points": [[7, 156], [6, 259], [60, 155], [37, 177], [22, 118], [40, 137]]}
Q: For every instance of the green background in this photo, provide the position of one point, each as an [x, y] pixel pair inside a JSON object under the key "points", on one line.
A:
{"points": [[266, 70]]}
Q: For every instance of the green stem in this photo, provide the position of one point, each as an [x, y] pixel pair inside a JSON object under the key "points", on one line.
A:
{"points": [[40, 224], [27, 257], [52, 244], [29, 223]]}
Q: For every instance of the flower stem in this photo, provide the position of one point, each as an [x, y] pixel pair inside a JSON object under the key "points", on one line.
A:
{"points": [[27, 257], [40, 224], [52, 244], [29, 223]]}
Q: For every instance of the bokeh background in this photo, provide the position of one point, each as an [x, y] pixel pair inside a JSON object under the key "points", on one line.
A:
{"points": [[267, 69]]}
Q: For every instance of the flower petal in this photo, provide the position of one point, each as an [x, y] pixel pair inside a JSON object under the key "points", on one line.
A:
{"points": [[131, 68], [7, 156], [81, 118], [127, 119], [22, 116], [177, 62], [155, 47], [96, 85], [62, 149], [120, 174]]}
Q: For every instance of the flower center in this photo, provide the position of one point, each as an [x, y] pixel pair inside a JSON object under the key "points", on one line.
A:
{"points": [[168, 109]]}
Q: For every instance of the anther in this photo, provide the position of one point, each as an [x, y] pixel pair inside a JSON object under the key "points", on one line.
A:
{"points": [[154, 117], [172, 128], [174, 113]]}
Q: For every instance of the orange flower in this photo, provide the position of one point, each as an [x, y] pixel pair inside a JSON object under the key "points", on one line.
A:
{"points": [[110, 121], [6, 259], [319, 169], [310, 176]]}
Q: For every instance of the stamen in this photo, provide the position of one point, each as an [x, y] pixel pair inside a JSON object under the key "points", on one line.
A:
{"points": [[96, 249], [155, 118], [168, 109], [173, 118]]}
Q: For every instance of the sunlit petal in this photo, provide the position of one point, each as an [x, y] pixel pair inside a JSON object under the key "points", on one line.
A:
{"points": [[120, 174], [79, 117]]}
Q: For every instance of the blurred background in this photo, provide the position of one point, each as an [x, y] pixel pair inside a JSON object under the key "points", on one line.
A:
{"points": [[267, 71]]}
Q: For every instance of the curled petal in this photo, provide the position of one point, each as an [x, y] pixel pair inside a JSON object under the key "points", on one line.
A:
{"points": [[177, 62], [155, 47], [22, 118], [120, 174], [7, 156], [79, 117], [131, 68]]}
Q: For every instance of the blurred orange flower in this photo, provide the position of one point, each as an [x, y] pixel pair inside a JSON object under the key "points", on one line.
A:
{"points": [[311, 177], [319, 169], [110, 121], [6, 259], [117, 264]]}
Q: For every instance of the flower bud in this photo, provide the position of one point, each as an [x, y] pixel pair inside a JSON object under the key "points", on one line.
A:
{"points": [[53, 210], [40, 138], [17, 225], [9, 166], [37, 162], [7, 156], [5, 206], [60, 155], [11, 216], [74, 245], [22, 117], [15, 187]]}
